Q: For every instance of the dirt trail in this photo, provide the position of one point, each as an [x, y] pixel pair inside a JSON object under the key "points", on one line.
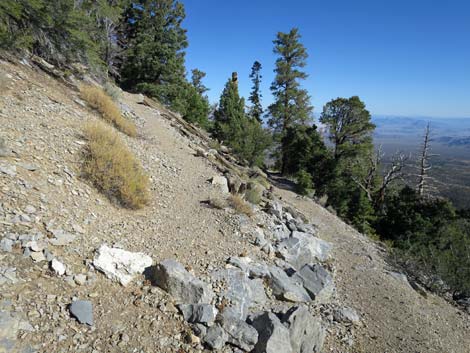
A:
{"points": [[42, 120], [396, 318]]}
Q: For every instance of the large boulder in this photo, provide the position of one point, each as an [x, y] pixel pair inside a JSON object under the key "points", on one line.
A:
{"points": [[286, 288], [120, 265], [317, 281], [273, 336], [240, 291], [239, 333], [303, 248], [306, 332], [185, 288], [216, 337]]}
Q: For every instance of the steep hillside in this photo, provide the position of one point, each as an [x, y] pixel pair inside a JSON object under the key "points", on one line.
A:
{"points": [[290, 278]]}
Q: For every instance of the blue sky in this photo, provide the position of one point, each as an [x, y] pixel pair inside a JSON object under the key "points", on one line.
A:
{"points": [[407, 58]]}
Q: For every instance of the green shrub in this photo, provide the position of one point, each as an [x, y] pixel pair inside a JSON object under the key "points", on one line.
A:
{"points": [[253, 195], [304, 183]]}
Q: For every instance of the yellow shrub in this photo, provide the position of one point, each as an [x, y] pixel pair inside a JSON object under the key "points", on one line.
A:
{"points": [[99, 100], [112, 167], [240, 205]]}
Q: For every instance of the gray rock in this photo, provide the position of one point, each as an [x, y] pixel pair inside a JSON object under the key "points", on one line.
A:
{"points": [[221, 182], [6, 245], [38, 256], [285, 287], [306, 228], [303, 248], [292, 225], [239, 333], [275, 208], [281, 232], [241, 292], [82, 310], [273, 336], [317, 281], [199, 330], [29, 167], [10, 325], [172, 277], [61, 238], [120, 265], [4, 151], [306, 332], [216, 337], [9, 170], [346, 315], [80, 279], [253, 269], [58, 267], [198, 313]]}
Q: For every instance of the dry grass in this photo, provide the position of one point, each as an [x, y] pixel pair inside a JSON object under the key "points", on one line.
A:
{"points": [[113, 168], [99, 100], [240, 205], [218, 202]]}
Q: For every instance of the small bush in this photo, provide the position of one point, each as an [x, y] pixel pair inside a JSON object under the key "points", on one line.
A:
{"points": [[99, 100], [218, 202], [113, 168], [240, 205], [304, 183], [112, 91], [253, 195]]}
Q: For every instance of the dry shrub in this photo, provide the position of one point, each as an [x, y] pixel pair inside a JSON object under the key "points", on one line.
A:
{"points": [[99, 100], [112, 167], [218, 202], [240, 205]]}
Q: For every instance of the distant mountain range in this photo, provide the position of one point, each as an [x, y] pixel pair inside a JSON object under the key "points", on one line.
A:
{"points": [[446, 131]]}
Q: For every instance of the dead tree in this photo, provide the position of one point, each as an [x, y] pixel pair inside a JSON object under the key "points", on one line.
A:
{"points": [[394, 172], [374, 190], [424, 164]]}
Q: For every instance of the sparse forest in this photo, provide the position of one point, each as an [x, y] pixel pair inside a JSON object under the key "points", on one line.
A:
{"points": [[141, 46]]}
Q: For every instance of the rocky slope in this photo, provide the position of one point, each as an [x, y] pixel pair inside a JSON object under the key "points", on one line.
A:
{"points": [[79, 274]]}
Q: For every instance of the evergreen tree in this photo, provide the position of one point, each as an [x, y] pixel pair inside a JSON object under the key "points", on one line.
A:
{"points": [[256, 110], [307, 153], [350, 131], [245, 136], [230, 113], [350, 127], [292, 103], [55, 30], [154, 47], [196, 80], [106, 31]]}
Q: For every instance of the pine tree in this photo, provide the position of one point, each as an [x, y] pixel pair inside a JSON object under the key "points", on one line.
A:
{"points": [[154, 45], [245, 136], [256, 110], [307, 152], [350, 127], [55, 30], [230, 113], [350, 131], [292, 103], [196, 80]]}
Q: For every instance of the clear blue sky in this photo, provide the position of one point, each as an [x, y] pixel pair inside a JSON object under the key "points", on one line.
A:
{"points": [[408, 58]]}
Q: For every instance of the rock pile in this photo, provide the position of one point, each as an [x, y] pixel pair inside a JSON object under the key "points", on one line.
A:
{"points": [[258, 306]]}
